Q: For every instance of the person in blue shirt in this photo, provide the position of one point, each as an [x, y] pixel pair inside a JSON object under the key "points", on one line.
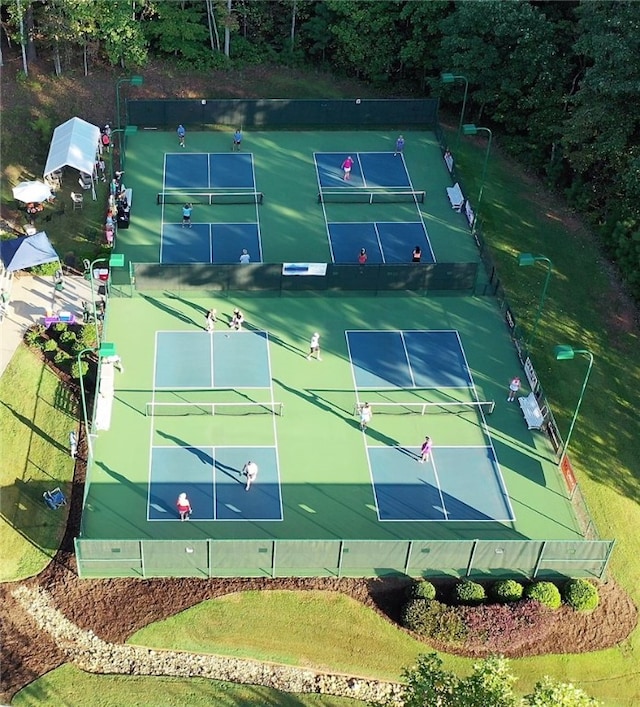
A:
{"points": [[237, 140], [399, 145], [181, 134], [186, 215]]}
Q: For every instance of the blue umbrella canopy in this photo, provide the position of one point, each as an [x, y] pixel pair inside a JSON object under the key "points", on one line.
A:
{"points": [[27, 251]]}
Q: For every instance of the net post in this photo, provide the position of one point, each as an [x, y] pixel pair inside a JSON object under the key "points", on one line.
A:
{"points": [[492, 406]]}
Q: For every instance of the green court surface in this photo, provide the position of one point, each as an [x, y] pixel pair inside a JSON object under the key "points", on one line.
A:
{"points": [[322, 480]]}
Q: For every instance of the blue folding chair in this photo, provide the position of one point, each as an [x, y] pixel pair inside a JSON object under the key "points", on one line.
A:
{"points": [[54, 499]]}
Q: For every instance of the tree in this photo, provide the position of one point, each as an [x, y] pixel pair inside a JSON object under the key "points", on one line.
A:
{"points": [[490, 684]]}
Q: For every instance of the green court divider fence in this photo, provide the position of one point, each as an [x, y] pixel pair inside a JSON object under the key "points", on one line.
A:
{"points": [[280, 113], [457, 278], [525, 559]]}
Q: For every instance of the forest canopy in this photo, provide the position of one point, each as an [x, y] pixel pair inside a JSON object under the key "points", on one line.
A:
{"points": [[557, 81]]}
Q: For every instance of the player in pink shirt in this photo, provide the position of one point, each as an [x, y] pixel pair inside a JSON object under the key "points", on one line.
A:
{"points": [[346, 166], [425, 450]]}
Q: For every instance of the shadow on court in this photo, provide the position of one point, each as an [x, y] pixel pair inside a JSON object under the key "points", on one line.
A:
{"points": [[169, 310], [197, 451]]}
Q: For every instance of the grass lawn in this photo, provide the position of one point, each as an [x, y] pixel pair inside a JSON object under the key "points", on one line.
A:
{"points": [[36, 415], [64, 685]]}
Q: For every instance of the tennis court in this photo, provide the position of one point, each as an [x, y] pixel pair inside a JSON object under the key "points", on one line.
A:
{"points": [[207, 180], [193, 407]]}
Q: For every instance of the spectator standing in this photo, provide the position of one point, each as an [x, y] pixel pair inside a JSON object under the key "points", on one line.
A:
{"points": [[314, 346], [105, 141], [181, 134], [347, 165], [187, 209], [73, 444], [514, 387], [184, 507]]}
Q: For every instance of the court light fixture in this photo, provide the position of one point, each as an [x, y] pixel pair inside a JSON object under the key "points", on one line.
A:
{"points": [[126, 132], [452, 78], [564, 352], [105, 349], [471, 129], [525, 260], [135, 80]]}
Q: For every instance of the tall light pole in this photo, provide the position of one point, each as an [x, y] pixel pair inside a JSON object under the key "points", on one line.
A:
{"points": [[524, 260], [452, 78], [471, 129], [115, 260], [103, 350], [564, 352], [125, 132], [131, 80]]}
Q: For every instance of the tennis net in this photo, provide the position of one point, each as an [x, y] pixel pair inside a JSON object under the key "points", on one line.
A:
{"points": [[362, 196], [240, 409], [210, 198], [428, 408]]}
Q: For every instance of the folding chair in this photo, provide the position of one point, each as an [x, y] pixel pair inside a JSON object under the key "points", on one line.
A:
{"points": [[78, 200], [54, 499]]}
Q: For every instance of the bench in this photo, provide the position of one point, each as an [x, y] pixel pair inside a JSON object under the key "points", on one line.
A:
{"points": [[456, 197], [104, 401], [533, 414]]}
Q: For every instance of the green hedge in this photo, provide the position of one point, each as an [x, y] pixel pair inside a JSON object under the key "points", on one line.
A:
{"points": [[581, 595], [545, 593]]}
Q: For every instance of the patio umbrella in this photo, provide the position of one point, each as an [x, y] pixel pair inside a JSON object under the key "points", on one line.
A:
{"points": [[31, 191]]}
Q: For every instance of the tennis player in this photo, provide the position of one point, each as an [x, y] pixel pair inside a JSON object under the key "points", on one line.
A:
{"points": [[236, 320], [186, 215], [362, 256], [366, 413], [314, 346], [181, 134], [183, 506], [237, 140], [245, 258], [346, 168], [399, 146], [425, 450], [250, 470]]}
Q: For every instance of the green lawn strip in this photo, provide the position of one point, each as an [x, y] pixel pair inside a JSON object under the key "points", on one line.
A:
{"points": [[605, 445], [36, 416], [69, 686], [325, 631]]}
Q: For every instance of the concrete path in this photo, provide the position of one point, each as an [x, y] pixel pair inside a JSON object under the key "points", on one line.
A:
{"points": [[31, 298]]}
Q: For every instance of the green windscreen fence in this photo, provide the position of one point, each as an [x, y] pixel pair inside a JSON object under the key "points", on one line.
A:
{"points": [[342, 558], [280, 113], [269, 277]]}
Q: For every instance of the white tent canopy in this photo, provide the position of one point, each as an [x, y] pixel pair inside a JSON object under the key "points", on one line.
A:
{"points": [[74, 144]]}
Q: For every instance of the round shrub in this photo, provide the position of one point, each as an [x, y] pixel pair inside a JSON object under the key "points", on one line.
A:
{"points": [[61, 357], [78, 369], [33, 338], [433, 619], [546, 593], [60, 327], [581, 595], [506, 590], [50, 345], [422, 589], [67, 337], [467, 592]]}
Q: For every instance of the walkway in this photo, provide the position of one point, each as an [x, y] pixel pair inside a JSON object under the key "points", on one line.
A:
{"points": [[31, 298]]}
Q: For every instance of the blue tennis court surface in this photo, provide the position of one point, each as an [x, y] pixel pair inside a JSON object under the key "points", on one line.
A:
{"points": [[457, 484], [193, 170], [212, 479], [385, 242], [370, 170], [408, 359], [209, 242], [199, 359]]}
